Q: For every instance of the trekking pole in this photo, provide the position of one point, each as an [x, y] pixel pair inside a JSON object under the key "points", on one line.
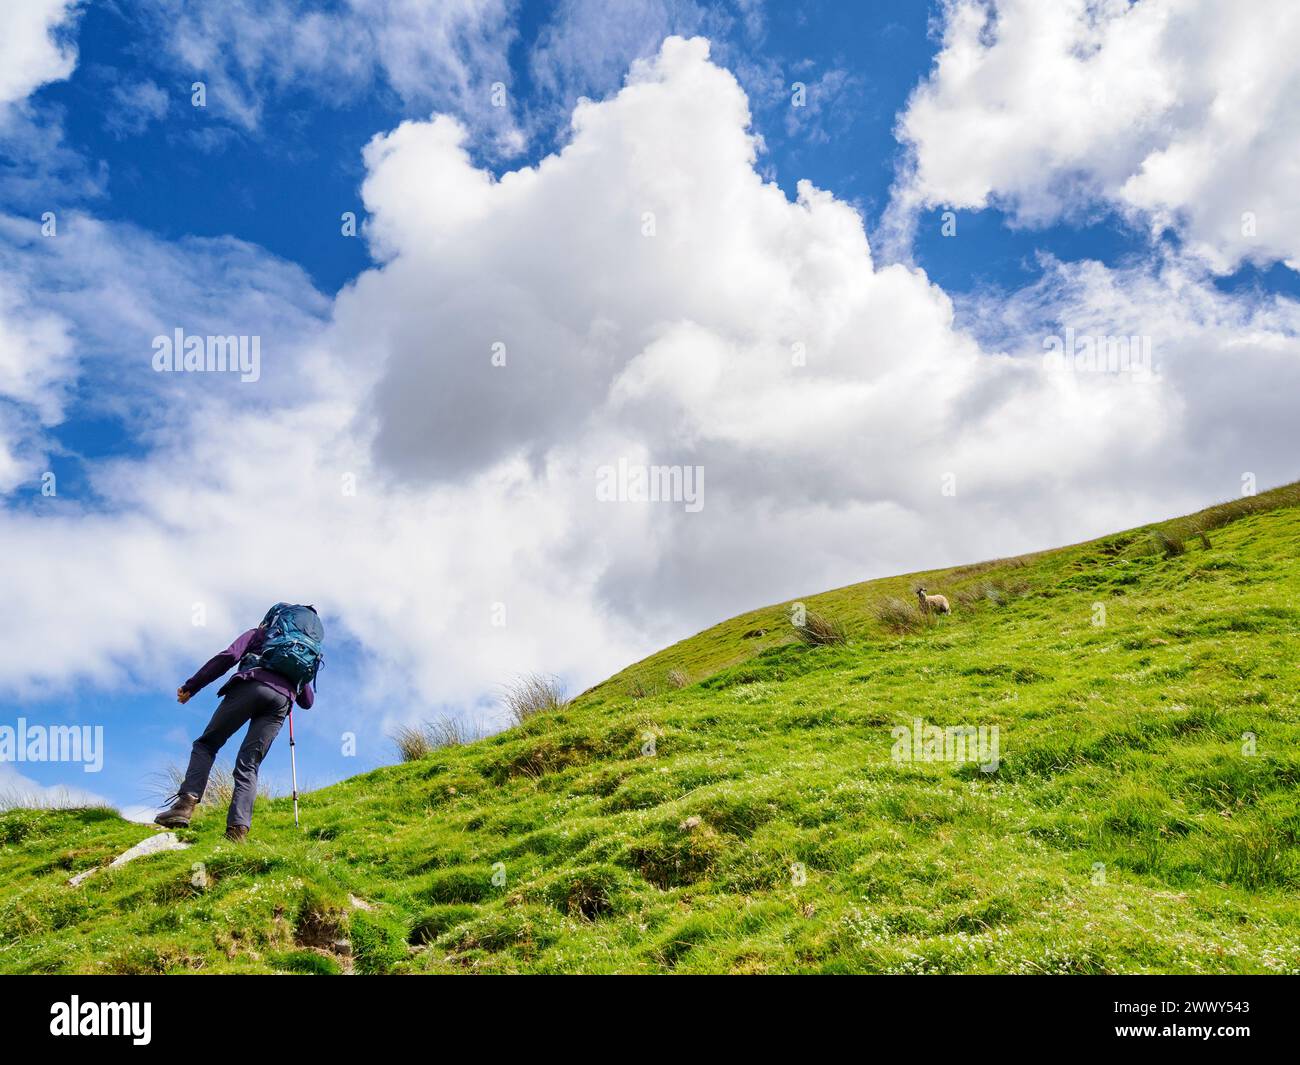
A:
{"points": [[293, 762]]}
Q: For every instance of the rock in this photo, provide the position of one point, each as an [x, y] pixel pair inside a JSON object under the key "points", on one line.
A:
{"points": [[690, 824], [163, 841]]}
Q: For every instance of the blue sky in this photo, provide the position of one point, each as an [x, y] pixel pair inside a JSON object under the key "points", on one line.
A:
{"points": [[229, 214]]}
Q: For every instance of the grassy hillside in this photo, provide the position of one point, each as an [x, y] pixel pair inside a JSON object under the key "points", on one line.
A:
{"points": [[753, 820]]}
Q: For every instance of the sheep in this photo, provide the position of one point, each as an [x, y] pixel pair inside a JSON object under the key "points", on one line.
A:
{"points": [[937, 603]]}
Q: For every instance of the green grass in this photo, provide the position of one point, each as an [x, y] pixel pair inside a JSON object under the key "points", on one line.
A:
{"points": [[746, 815]]}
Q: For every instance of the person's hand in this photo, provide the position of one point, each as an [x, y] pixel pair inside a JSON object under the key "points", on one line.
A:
{"points": [[182, 696]]}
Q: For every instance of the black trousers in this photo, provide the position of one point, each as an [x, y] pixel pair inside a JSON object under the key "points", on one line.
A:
{"points": [[264, 709]]}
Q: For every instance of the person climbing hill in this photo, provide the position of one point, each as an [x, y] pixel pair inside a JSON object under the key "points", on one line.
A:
{"points": [[277, 662]]}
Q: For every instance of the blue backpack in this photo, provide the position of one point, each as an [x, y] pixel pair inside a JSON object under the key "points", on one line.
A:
{"points": [[292, 645]]}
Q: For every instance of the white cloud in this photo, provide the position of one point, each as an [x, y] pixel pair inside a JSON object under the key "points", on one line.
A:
{"points": [[445, 53], [82, 307], [134, 106], [586, 46], [827, 104], [1227, 365], [35, 354], [1179, 115], [34, 48], [684, 338], [36, 364]]}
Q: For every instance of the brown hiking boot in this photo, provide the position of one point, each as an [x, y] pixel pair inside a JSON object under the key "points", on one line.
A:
{"points": [[178, 814], [236, 833]]}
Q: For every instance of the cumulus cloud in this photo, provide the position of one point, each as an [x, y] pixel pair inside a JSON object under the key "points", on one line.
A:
{"points": [[431, 468], [1179, 115], [686, 337], [1224, 366]]}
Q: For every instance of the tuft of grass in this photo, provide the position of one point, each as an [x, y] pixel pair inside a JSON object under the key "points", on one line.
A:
{"points": [[639, 687], [1233, 510], [900, 616], [1167, 544], [678, 679], [217, 795], [414, 742], [19, 798], [531, 694], [818, 630]]}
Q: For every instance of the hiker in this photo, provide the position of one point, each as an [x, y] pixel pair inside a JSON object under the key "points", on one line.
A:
{"points": [[277, 662]]}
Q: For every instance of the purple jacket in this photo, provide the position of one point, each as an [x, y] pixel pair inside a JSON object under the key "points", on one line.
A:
{"points": [[218, 664]]}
